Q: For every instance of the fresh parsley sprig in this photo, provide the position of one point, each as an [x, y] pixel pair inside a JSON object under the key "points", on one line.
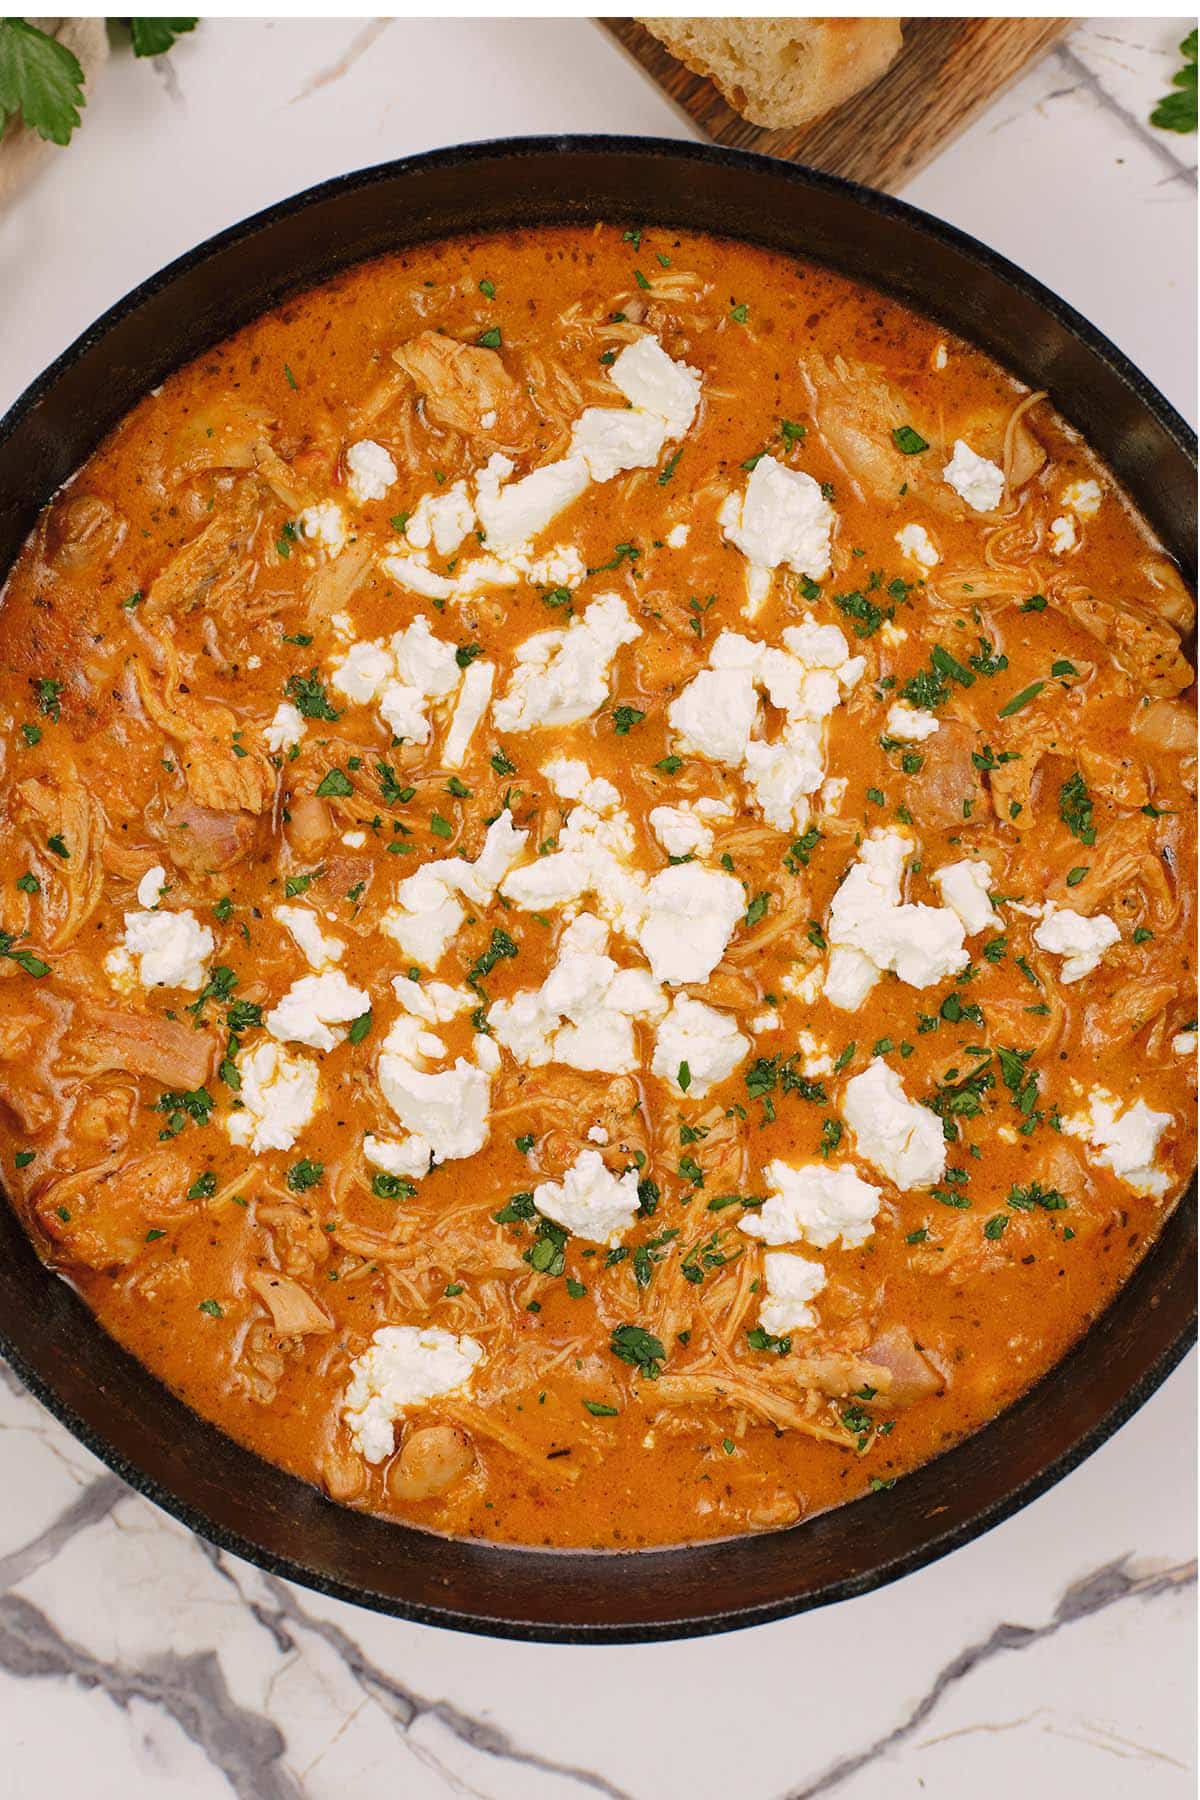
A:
{"points": [[41, 79]]}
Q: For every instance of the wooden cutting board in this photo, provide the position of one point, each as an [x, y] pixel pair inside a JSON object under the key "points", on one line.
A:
{"points": [[946, 73]]}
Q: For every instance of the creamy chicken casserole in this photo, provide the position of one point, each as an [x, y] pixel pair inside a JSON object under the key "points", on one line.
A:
{"points": [[597, 887]]}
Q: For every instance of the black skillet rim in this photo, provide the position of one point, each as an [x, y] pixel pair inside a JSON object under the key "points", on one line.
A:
{"points": [[935, 1544]]}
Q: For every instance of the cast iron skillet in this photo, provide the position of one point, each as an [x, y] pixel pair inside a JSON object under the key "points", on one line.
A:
{"points": [[119, 1410]]}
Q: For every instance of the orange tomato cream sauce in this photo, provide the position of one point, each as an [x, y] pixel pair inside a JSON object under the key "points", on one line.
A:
{"points": [[597, 887]]}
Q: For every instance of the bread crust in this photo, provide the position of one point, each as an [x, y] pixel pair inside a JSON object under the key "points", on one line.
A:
{"points": [[782, 72]]}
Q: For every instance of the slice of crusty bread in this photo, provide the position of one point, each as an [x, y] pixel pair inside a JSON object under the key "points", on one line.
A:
{"points": [[779, 72]]}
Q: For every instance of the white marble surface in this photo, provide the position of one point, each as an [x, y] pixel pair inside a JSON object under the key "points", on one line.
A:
{"points": [[1054, 1656]]}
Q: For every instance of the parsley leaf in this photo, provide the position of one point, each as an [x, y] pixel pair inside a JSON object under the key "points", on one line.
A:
{"points": [[1075, 809], [40, 79], [640, 1349], [1177, 111], [154, 37]]}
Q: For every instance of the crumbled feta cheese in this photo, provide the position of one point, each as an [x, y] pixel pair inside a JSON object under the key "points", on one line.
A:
{"points": [[1063, 535], [781, 518], [681, 830], [690, 916], [791, 1281], [940, 357], [323, 524], [410, 1158], [446, 1112], [370, 471], [512, 514], [832, 793], [1123, 1139], [354, 840], [573, 780], [870, 932], [1184, 1043], [1083, 498], [414, 573], [1081, 940], [715, 713], [474, 698], [441, 520], [428, 913], [583, 1013], [677, 537], [279, 1098], [286, 728], [974, 479], [589, 1201], [965, 888], [434, 1001], [169, 949], [151, 887], [917, 544], [402, 1367], [563, 676], [653, 382], [911, 724], [815, 1057], [311, 1005], [781, 775], [597, 1134], [698, 1042], [320, 951], [611, 440], [903, 1140], [815, 1203], [402, 676]]}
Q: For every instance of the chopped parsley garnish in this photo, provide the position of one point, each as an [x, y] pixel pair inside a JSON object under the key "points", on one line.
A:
{"points": [[757, 910], [501, 764], [739, 313], [489, 339], [1021, 700], [300, 884], [863, 613], [304, 1174], [441, 827], [179, 1107], [46, 693], [335, 785], [909, 441], [640, 1349], [307, 694], [24, 959], [360, 1027], [1025, 1199], [758, 1339], [622, 553], [599, 1410], [500, 947], [1075, 809], [213, 1308], [624, 718], [391, 791]]}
